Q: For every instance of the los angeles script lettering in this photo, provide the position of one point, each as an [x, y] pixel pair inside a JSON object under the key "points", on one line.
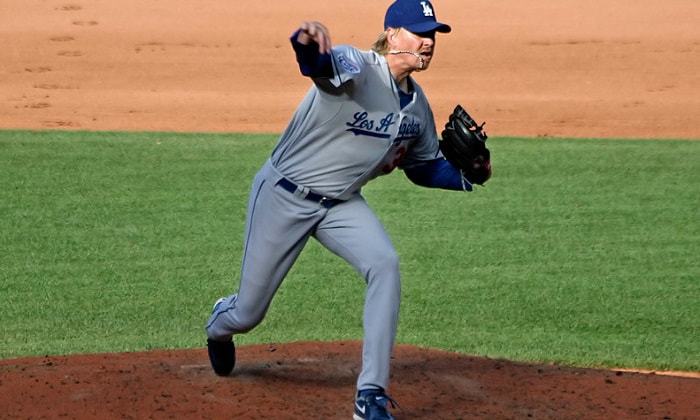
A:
{"points": [[363, 123]]}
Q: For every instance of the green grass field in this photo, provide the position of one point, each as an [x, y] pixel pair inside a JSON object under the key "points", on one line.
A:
{"points": [[578, 251]]}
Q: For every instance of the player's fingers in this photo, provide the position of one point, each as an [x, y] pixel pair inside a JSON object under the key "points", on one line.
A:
{"points": [[323, 39], [307, 27], [318, 33]]}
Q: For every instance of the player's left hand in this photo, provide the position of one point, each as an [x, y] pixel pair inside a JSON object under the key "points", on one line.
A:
{"points": [[464, 145], [317, 32]]}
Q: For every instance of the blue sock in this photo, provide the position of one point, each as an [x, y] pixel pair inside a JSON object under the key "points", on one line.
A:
{"points": [[370, 391]]}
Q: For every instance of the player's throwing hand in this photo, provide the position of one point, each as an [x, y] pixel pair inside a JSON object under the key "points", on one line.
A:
{"points": [[316, 32]]}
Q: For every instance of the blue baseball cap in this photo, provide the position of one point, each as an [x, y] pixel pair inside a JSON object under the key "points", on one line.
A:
{"points": [[415, 15]]}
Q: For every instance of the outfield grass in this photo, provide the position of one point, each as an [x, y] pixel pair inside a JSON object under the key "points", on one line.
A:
{"points": [[578, 251]]}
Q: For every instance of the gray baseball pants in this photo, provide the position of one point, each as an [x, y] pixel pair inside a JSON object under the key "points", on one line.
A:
{"points": [[278, 226]]}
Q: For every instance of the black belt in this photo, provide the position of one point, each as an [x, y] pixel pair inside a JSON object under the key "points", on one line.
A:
{"points": [[311, 196]]}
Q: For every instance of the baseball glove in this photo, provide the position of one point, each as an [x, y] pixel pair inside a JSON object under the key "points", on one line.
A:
{"points": [[464, 145]]}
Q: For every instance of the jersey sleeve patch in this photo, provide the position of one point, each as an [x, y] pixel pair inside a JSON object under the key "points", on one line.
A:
{"points": [[348, 64]]}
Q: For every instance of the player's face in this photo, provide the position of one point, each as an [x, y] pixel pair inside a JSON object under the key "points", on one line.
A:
{"points": [[422, 43]]}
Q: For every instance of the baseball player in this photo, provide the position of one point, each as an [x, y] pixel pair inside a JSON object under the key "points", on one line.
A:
{"points": [[363, 116]]}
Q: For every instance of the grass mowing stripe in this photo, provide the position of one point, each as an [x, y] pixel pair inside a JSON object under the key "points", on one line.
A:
{"points": [[577, 251]]}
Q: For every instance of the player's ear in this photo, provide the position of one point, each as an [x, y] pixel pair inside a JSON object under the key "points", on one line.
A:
{"points": [[391, 33]]}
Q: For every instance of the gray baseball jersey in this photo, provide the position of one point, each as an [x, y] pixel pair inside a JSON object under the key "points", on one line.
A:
{"points": [[351, 129], [348, 130]]}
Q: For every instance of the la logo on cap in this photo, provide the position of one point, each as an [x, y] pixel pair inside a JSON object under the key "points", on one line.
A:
{"points": [[427, 10]]}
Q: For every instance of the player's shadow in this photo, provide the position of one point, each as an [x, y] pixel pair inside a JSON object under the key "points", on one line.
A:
{"points": [[302, 372]]}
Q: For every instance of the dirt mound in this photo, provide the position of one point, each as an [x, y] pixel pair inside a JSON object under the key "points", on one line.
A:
{"points": [[317, 380]]}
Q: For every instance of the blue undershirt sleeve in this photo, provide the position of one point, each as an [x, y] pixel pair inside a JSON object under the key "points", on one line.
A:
{"points": [[438, 173], [311, 62]]}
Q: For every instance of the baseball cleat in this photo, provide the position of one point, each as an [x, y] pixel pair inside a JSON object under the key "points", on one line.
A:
{"points": [[372, 405], [222, 355]]}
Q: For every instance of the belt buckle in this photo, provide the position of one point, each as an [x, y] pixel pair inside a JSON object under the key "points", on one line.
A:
{"points": [[325, 202]]}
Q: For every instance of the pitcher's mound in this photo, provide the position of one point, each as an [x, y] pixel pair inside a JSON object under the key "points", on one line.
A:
{"points": [[316, 380]]}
